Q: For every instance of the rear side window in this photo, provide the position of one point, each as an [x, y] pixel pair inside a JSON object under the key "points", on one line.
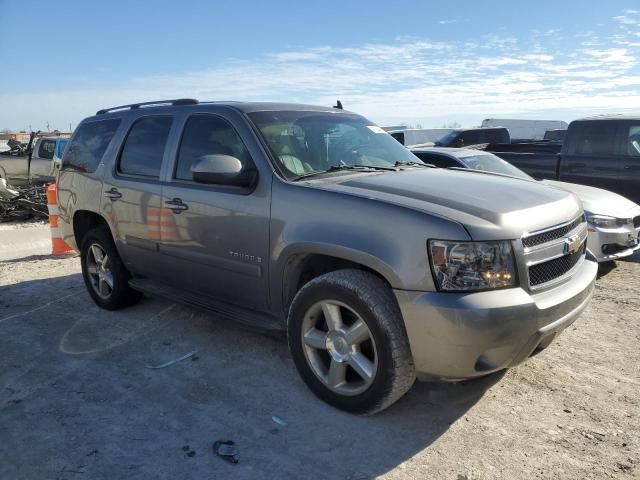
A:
{"points": [[472, 137], [595, 138], [633, 141], [497, 136], [399, 136], [209, 135], [46, 149], [88, 145], [144, 147]]}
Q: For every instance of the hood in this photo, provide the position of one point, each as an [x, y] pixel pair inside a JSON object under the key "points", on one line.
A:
{"points": [[490, 207], [597, 200]]}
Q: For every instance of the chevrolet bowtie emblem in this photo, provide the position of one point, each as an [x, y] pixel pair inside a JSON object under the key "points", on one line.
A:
{"points": [[572, 244]]}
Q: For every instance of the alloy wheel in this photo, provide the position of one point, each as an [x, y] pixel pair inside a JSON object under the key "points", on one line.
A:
{"points": [[339, 347], [99, 271]]}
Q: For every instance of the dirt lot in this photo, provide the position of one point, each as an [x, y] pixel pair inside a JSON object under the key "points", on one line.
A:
{"points": [[78, 402]]}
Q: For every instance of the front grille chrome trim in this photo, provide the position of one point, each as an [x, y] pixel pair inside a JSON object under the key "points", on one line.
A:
{"points": [[545, 255], [542, 237]]}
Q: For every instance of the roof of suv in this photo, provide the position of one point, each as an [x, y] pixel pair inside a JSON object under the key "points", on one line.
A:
{"points": [[245, 107], [611, 116]]}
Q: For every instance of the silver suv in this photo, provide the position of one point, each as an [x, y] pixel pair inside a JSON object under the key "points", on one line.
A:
{"points": [[315, 222]]}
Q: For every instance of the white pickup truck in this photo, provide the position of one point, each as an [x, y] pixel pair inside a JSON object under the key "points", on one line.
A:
{"points": [[38, 165]]}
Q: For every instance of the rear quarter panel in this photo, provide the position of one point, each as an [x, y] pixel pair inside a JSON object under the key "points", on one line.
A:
{"points": [[83, 190]]}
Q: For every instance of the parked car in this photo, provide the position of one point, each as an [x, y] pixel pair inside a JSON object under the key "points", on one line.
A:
{"points": [[315, 222], [37, 165], [614, 221], [600, 152], [525, 129], [474, 136]]}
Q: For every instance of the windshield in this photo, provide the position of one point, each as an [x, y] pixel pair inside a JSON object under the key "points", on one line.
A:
{"points": [[448, 138], [314, 142], [487, 162], [61, 146]]}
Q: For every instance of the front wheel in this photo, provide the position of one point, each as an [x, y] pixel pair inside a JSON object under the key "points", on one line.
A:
{"points": [[348, 341], [105, 276]]}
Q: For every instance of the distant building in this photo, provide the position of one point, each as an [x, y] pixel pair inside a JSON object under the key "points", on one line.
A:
{"points": [[23, 137]]}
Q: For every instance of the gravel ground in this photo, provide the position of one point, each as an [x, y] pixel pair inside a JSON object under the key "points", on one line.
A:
{"points": [[77, 400]]}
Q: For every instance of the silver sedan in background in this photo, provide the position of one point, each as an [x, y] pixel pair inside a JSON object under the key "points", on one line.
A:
{"points": [[613, 220]]}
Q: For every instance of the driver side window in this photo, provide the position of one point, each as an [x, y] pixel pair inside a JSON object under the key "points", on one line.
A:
{"points": [[208, 135]]}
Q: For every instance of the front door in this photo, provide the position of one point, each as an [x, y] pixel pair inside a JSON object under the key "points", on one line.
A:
{"points": [[215, 238], [132, 193], [41, 165], [630, 187], [592, 158]]}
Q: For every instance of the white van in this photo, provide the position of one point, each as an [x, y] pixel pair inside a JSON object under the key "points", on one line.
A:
{"points": [[419, 136], [525, 129]]}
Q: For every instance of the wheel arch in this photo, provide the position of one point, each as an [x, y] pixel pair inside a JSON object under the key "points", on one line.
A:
{"points": [[302, 263], [86, 220]]}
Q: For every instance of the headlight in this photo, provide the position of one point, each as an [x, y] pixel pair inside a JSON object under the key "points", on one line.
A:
{"points": [[468, 266], [604, 221]]}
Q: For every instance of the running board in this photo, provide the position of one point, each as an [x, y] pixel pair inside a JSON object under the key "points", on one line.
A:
{"points": [[248, 318]]}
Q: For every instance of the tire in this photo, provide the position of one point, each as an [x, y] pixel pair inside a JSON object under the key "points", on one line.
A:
{"points": [[119, 294], [329, 362]]}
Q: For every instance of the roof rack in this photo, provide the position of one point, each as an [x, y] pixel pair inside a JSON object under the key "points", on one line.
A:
{"points": [[179, 101]]}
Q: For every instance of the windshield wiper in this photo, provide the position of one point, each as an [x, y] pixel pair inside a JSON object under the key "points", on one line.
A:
{"points": [[414, 164], [337, 168]]}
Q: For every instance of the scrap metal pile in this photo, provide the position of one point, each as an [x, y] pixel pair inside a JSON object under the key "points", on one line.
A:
{"points": [[22, 203]]}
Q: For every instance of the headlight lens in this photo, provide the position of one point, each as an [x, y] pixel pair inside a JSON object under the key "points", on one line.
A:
{"points": [[604, 221], [468, 266]]}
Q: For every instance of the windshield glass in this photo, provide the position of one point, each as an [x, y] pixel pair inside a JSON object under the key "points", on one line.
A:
{"points": [[61, 146], [306, 142], [448, 138], [487, 162]]}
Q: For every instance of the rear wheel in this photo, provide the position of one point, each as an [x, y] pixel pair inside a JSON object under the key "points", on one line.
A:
{"points": [[348, 341], [105, 276]]}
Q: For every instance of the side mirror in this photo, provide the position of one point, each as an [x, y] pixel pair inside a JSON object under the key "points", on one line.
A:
{"points": [[222, 170]]}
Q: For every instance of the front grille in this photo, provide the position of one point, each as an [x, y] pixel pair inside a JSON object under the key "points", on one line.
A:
{"points": [[636, 222], [550, 235], [547, 271]]}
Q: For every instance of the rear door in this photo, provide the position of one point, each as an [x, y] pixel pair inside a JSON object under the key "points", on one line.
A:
{"points": [[630, 184], [592, 156], [132, 192], [215, 238]]}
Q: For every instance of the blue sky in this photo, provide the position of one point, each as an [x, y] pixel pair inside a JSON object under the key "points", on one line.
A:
{"points": [[395, 62]]}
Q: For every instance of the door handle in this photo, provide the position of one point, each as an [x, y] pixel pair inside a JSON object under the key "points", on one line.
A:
{"points": [[113, 194], [176, 205]]}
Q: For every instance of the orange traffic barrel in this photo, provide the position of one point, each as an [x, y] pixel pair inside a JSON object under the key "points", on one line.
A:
{"points": [[58, 245]]}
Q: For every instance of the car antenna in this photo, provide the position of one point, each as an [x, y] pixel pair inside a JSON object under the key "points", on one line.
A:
{"points": [[338, 105]]}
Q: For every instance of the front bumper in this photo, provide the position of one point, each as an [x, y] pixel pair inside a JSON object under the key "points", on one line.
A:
{"points": [[613, 243], [457, 336]]}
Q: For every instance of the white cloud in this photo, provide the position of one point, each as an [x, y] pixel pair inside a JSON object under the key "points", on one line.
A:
{"points": [[406, 80], [448, 22], [627, 20]]}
